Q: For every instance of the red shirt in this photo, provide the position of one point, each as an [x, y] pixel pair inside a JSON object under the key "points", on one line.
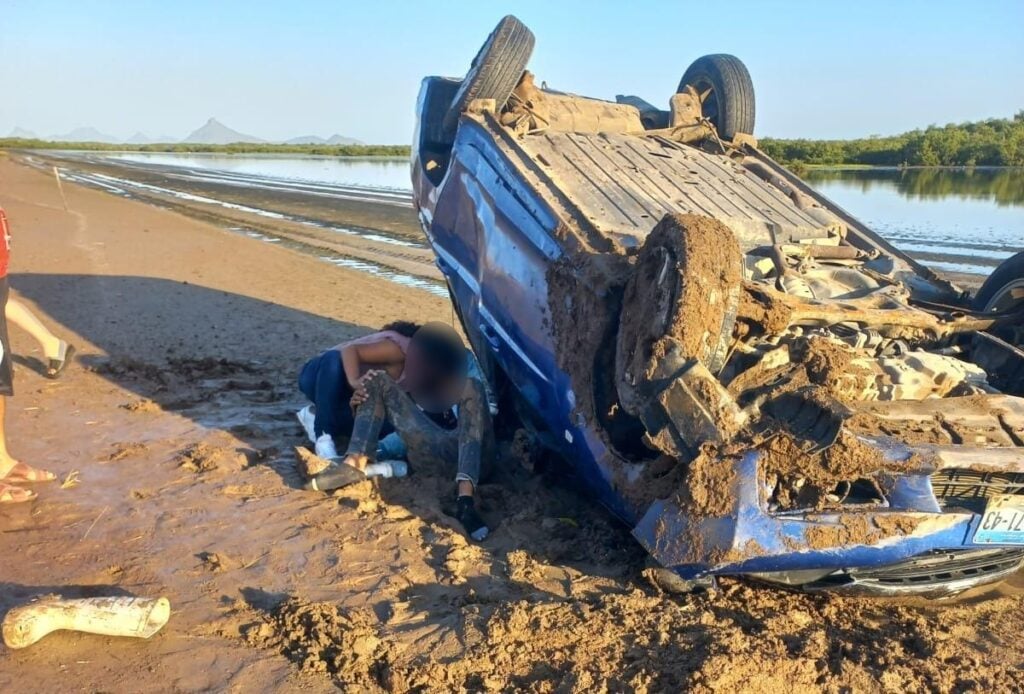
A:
{"points": [[5, 244]]}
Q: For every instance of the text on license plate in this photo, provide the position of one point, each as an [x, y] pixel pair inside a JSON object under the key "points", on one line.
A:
{"points": [[1003, 521]]}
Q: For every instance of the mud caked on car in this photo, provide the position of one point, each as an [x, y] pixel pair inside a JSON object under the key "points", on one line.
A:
{"points": [[752, 379]]}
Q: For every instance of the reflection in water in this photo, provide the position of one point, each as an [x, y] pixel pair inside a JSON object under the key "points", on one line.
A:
{"points": [[1003, 186], [957, 220]]}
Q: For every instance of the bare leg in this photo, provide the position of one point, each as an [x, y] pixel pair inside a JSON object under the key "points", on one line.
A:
{"points": [[19, 314], [11, 469], [6, 461], [9, 493]]}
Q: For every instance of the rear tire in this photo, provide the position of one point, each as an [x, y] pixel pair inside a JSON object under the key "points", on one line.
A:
{"points": [[495, 70], [995, 293], [727, 90]]}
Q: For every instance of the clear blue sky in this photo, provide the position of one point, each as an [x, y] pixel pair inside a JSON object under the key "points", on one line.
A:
{"points": [[282, 69]]}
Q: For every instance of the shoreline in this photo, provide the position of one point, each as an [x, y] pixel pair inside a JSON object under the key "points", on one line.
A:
{"points": [[242, 150], [374, 239], [30, 145], [201, 153], [316, 210]]}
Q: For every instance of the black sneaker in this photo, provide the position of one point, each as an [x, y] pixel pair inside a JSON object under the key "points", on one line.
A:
{"points": [[466, 514]]}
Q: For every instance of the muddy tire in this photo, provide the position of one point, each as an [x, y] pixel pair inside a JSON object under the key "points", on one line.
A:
{"points": [[1002, 288], [495, 71], [727, 93], [682, 295]]}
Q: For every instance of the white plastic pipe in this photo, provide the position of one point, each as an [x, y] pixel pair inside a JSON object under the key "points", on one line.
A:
{"points": [[123, 616]]}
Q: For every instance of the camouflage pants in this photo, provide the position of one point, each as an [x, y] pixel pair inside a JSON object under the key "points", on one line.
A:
{"points": [[429, 445]]}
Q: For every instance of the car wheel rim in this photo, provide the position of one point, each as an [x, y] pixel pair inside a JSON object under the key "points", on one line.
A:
{"points": [[708, 101], [1008, 296]]}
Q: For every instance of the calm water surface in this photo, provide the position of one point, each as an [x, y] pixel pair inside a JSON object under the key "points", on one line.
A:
{"points": [[952, 219], [961, 220], [374, 172]]}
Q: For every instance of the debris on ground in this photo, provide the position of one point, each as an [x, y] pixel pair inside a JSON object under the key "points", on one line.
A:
{"points": [[203, 457], [143, 406]]}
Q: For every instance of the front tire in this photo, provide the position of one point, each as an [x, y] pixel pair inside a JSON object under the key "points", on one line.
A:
{"points": [[684, 290]]}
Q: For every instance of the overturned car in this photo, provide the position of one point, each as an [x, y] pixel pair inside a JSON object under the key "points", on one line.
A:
{"points": [[747, 375]]}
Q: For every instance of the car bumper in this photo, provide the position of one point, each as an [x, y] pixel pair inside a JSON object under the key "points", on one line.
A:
{"points": [[938, 574], [910, 523]]}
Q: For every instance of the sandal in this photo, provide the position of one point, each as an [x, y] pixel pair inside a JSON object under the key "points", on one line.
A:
{"points": [[10, 494], [24, 474], [56, 366]]}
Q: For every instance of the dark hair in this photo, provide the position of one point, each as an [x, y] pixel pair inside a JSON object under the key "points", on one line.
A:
{"points": [[442, 348], [403, 327]]}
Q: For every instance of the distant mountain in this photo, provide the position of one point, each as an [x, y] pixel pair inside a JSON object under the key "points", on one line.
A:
{"points": [[213, 132], [139, 138], [342, 140], [88, 134], [216, 133]]}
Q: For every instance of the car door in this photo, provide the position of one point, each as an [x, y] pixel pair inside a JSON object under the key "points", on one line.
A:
{"points": [[494, 244]]}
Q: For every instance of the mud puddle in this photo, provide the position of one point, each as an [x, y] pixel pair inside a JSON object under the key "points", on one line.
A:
{"points": [[374, 270]]}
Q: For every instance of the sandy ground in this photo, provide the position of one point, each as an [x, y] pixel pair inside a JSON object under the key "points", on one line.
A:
{"points": [[178, 421]]}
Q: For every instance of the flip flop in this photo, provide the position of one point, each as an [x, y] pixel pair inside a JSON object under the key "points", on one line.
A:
{"points": [[8, 495], [56, 366], [26, 474]]}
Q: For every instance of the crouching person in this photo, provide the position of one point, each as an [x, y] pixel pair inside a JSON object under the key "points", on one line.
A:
{"points": [[444, 424]]}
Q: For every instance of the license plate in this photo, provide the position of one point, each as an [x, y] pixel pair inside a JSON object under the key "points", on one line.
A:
{"points": [[1003, 522]]}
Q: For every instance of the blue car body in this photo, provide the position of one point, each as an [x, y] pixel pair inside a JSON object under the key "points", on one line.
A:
{"points": [[496, 237]]}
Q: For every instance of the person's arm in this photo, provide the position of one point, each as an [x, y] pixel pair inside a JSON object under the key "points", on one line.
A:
{"points": [[372, 356]]}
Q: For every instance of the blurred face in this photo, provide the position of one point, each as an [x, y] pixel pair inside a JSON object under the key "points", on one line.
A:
{"points": [[429, 377], [433, 390]]}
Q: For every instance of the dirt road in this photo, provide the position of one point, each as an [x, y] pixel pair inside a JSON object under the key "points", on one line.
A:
{"points": [[179, 424]]}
